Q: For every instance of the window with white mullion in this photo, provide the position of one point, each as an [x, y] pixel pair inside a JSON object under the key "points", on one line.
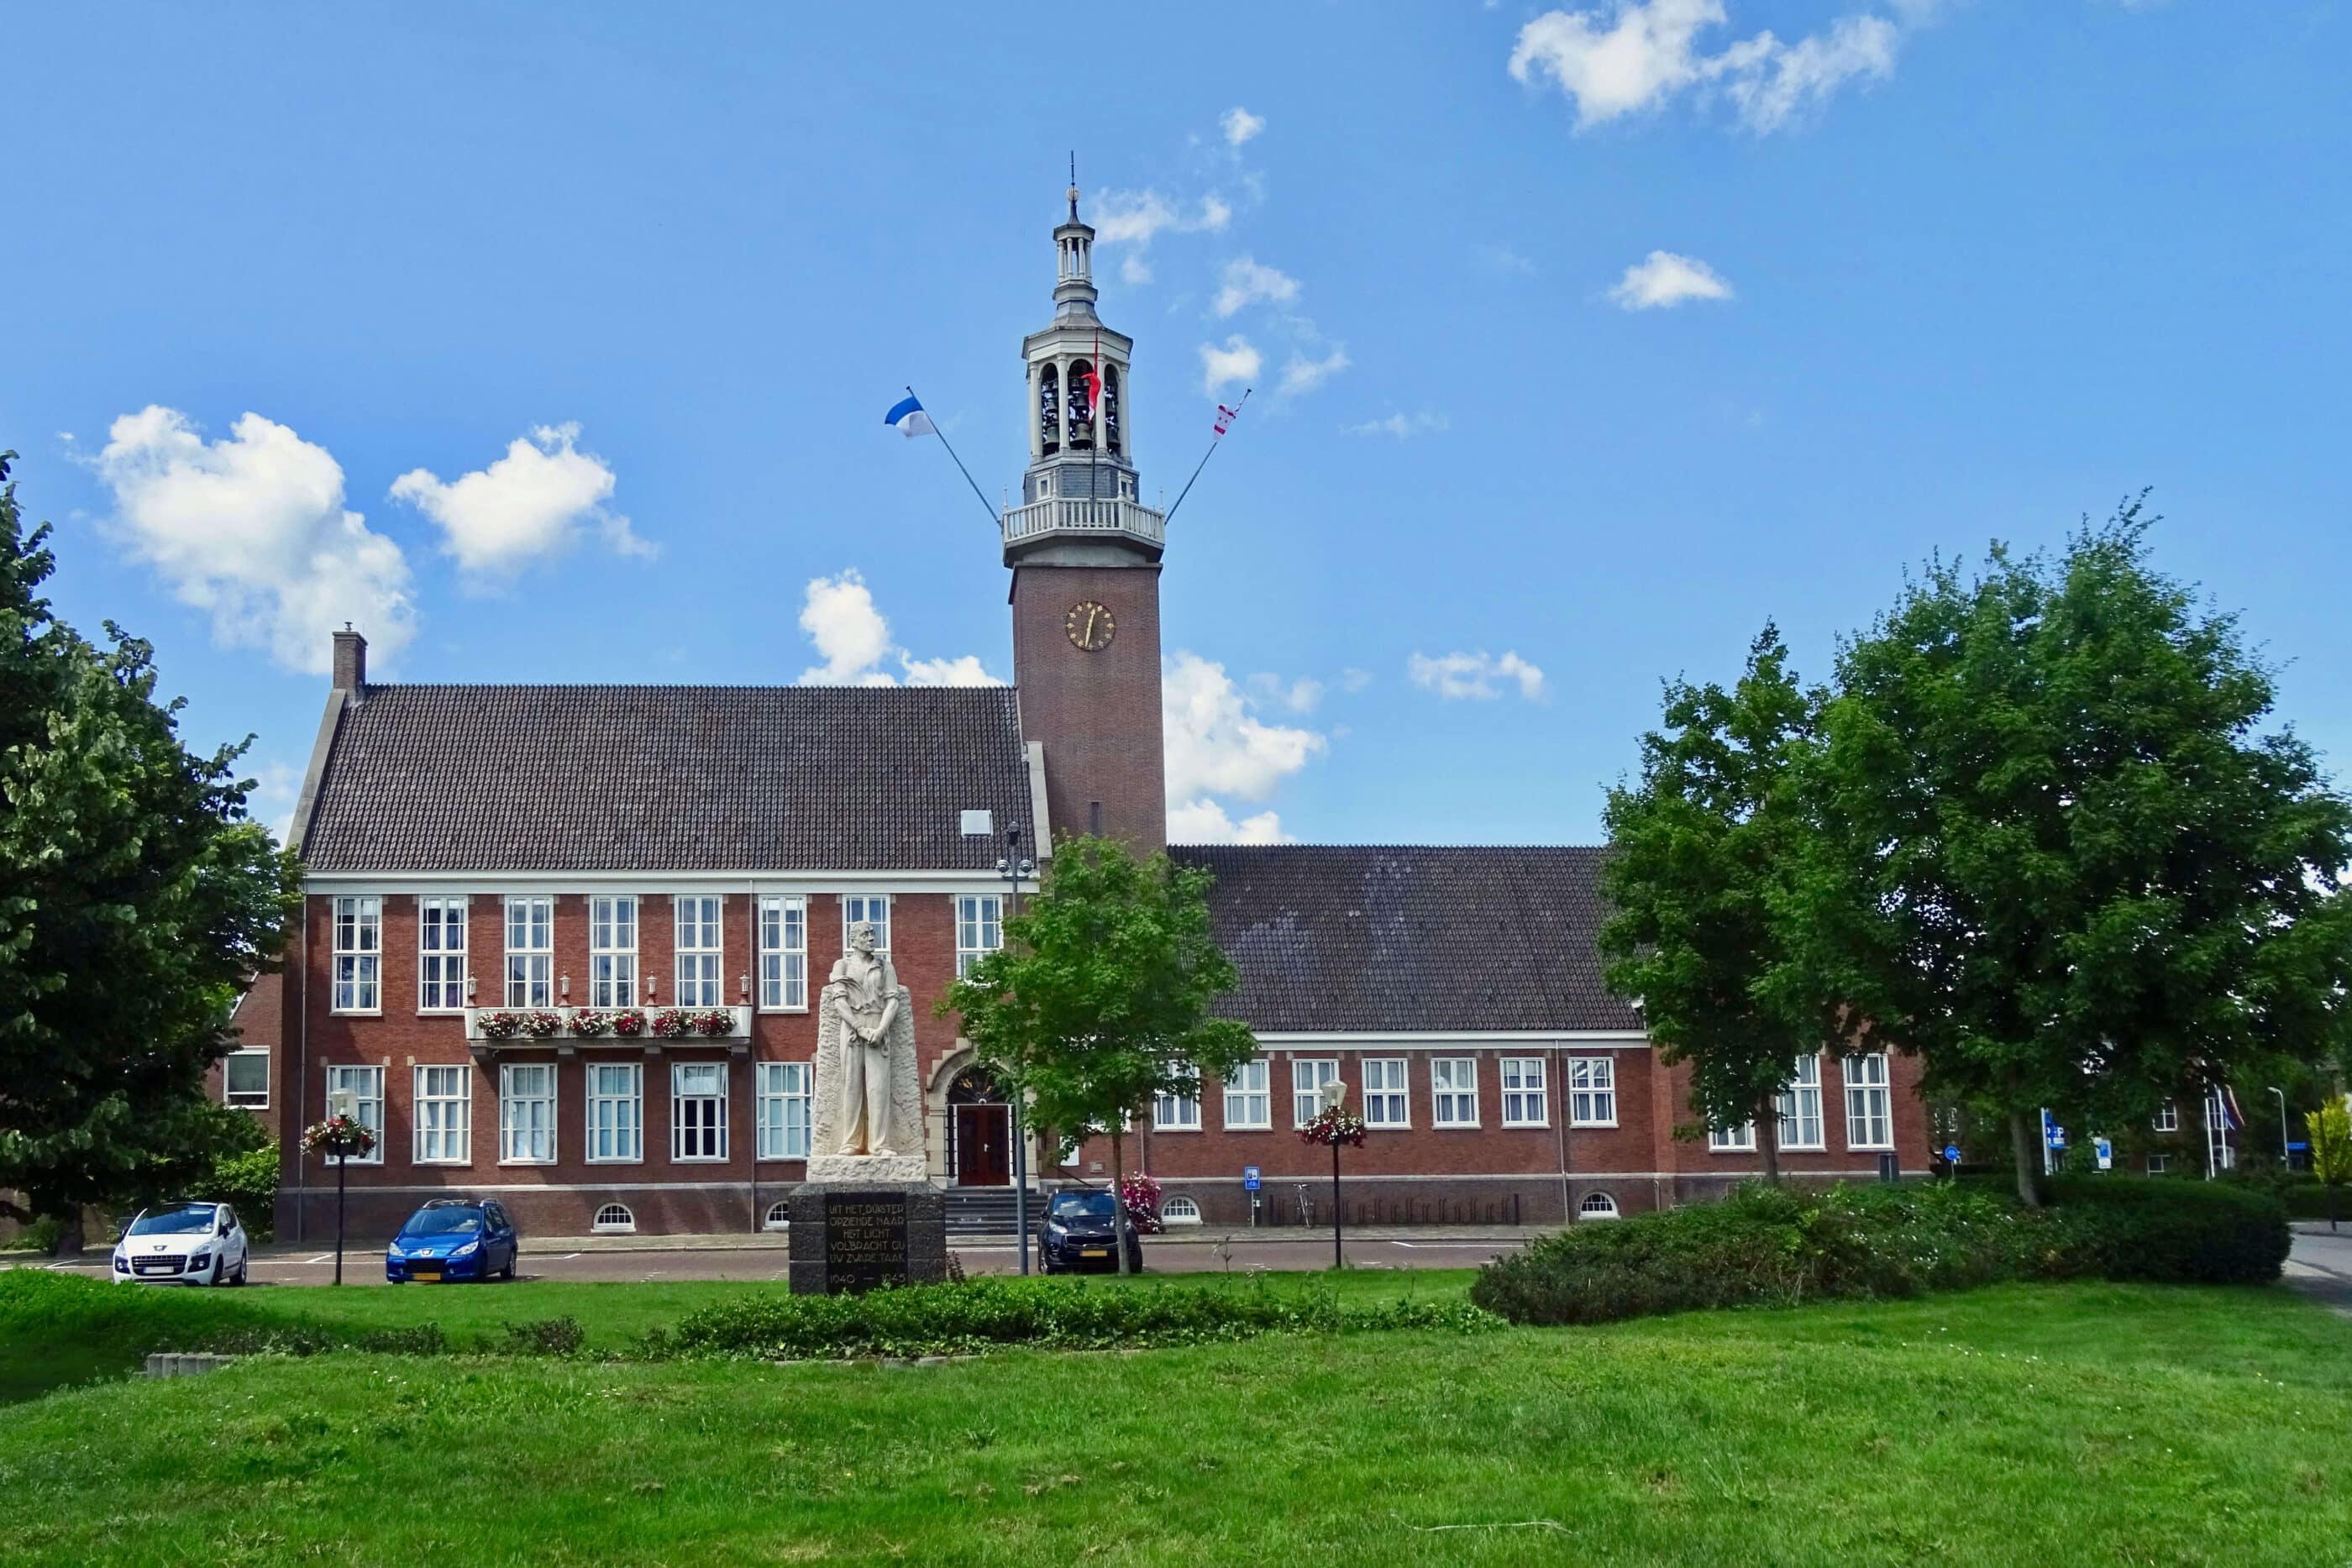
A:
{"points": [[1306, 1080], [531, 952], [616, 1112], [1387, 1103], [365, 1087], [1869, 1104], [1249, 1101], [2167, 1118], [1592, 1090], [612, 951], [440, 954], [527, 1114], [245, 1079], [697, 1111], [1453, 1091], [866, 909], [783, 953], [1801, 1106], [1739, 1140], [444, 1106], [783, 1090], [700, 983], [980, 929], [1177, 1113], [1525, 1101], [358, 954]]}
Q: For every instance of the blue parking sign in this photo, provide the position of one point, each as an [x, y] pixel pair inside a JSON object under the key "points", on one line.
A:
{"points": [[1951, 1154], [1249, 1178]]}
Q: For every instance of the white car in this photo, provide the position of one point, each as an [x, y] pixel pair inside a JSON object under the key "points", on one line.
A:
{"points": [[182, 1244]]}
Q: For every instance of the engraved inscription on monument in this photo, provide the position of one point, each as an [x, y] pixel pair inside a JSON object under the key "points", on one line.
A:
{"points": [[865, 1240]]}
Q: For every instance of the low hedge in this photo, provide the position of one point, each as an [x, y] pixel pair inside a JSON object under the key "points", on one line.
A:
{"points": [[979, 1314], [1781, 1246]]}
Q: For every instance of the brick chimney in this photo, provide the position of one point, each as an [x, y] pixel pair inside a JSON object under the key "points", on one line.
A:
{"points": [[351, 662]]}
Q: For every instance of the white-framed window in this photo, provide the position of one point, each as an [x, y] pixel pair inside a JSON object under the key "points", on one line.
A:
{"points": [[1387, 1103], [2158, 1165], [1176, 1112], [1739, 1140], [782, 1088], [869, 909], [358, 954], [616, 1112], [440, 954], [779, 1216], [980, 929], [1525, 1101], [1178, 1209], [245, 1079], [1452, 1090], [531, 952], [527, 1114], [1596, 1205], [699, 984], [615, 1218], [1801, 1106], [1869, 1104], [1306, 1080], [1249, 1102], [2167, 1118], [783, 953], [612, 950], [365, 1086], [697, 1111], [445, 1115], [1592, 1090]]}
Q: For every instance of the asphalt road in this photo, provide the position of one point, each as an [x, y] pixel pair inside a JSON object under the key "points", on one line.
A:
{"points": [[365, 1267]]}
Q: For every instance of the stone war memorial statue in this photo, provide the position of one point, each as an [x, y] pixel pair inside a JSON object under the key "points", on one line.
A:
{"points": [[868, 1214]]}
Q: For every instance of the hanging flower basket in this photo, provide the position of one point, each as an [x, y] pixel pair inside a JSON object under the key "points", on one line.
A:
{"points": [[540, 1023], [342, 1137], [628, 1023], [502, 1024], [1140, 1194], [1331, 1128], [590, 1023]]}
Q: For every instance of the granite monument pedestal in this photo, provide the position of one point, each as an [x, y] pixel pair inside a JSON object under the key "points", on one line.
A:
{"points": [[849, 1237]]}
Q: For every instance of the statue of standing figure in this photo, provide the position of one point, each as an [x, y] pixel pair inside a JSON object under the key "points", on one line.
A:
{"points": [[867, 1100]]}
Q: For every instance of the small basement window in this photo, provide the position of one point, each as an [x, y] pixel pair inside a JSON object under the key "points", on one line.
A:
{"points": [[1178, 1211], [1596, 1205], [779, 1216], [615, 1218]]}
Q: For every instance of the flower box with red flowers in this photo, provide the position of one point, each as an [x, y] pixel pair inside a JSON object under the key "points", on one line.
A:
{"points": [[1332, 1128]]}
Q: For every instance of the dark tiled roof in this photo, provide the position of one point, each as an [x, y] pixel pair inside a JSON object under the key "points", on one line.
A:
{"points": [[1344, 937], [465, 778]]}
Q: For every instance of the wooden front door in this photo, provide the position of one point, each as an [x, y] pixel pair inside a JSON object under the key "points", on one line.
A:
{"points": [[983, 1145]]}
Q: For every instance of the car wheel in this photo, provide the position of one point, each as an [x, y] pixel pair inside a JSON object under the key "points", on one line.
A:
{"points": [[238, 1279], [513, 1258]]}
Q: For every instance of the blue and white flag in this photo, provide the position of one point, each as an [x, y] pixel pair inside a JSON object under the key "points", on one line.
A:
{"points": [[907, 415]]}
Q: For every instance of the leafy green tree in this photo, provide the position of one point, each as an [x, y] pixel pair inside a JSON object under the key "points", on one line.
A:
{"points": [[1099, 1000], [1704, 848], [2057, 858], [136, 896], [2330, 1131]]}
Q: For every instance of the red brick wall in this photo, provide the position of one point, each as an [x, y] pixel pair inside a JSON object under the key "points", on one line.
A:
{"points": [[1097, 714], [257, 1025]]}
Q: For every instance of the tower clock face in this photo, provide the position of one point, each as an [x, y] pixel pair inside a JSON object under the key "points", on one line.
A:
{"points": [[1089, 626]]}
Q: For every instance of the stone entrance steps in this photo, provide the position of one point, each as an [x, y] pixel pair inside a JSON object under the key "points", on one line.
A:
{"points": [[988, 1211]]}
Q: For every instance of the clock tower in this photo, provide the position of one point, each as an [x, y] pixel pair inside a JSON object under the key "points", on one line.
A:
{"points": [[1085, 553]]}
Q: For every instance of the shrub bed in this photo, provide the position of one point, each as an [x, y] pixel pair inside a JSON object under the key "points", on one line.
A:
{"points": [[1766, 1246], [942, 1320]]}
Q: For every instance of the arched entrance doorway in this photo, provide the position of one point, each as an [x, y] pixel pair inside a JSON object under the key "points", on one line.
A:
{"points": [[979, 1131]]}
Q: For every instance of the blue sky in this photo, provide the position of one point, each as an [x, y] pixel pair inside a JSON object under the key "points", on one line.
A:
{"points": [[552, 344]]}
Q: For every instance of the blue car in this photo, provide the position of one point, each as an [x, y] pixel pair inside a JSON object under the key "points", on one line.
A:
{"points": [[453, 1239]]}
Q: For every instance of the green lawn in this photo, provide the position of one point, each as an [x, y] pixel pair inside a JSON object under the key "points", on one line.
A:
{"points": [[2055, 1424]]}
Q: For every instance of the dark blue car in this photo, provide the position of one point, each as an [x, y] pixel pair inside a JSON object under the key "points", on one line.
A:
{"points": [[453, 1239]]}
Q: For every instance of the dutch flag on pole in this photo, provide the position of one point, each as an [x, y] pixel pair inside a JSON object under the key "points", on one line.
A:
{"points": [[907, 415]]}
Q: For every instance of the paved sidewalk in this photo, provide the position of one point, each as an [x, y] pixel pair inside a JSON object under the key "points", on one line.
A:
{"points": [[2320, 1265]]}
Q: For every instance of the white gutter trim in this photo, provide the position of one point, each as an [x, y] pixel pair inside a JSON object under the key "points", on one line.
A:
{"points": [[1352, 1039], [563, 881]]}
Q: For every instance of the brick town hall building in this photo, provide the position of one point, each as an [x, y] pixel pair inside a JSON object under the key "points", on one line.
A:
{"points": [[715, 871]]}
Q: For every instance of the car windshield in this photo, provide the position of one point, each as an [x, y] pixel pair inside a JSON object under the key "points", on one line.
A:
{"points": [[184, 1220], [443, 1222], [1087, 1205]]}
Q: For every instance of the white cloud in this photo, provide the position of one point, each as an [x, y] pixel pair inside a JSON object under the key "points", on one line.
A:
{"points": [[1300, 696], [1641, 53], [1215, 744], [1402, 425], [276, 785], [1353, 680], [1503, 260], [1474, 675], [1247, 282], [1239, 125], [1304, 375], [1664, 278], [1237, 361], [532, 504], [1206, 822], [1132, 218], [252, 529], [852, 637]]}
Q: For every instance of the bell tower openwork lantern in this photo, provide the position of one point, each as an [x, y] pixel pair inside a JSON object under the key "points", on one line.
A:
{"points": [[1080, 489]]}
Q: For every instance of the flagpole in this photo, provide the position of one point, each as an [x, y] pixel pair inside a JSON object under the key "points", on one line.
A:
{"points": [[968, 479], [1211, 452]]}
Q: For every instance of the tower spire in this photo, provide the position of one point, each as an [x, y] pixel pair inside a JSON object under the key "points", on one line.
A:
{"points": [[1074, 185]]}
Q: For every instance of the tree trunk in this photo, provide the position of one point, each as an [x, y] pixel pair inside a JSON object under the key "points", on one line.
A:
{"points": [[1119, 1195], [2023, 1142], [1767, 1136], [70, 1238]]}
